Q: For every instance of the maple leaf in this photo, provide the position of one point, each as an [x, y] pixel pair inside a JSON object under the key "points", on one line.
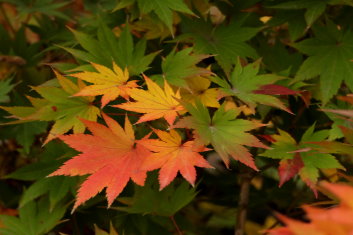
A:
{"points": [[252, 88], [179, 66], [330, 57], [155, 102], [334, 220], [5, 88], [122, 50], [107, 82], [162, 8], [111, 156], [198, 89], [314, 8], [59, 105], [227, 134], [301, 158], [173, 156], [288, 168], [226, 42], [151, 27]]}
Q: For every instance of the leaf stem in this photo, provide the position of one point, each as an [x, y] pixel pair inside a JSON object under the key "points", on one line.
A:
{"points": [[179, 232]]}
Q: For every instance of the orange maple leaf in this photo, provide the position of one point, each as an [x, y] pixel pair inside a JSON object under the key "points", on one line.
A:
{"points": [[333, 220], [107, 82], [155, 102], [110, 155], [173, 156]]}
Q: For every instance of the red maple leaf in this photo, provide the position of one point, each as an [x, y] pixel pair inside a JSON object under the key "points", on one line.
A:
{"points": [[111, 156]]}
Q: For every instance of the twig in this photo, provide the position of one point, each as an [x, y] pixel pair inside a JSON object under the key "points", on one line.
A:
{"points": [[179, 232], [245, 180]]}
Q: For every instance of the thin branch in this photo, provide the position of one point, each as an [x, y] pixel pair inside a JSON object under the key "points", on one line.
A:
{"points": [[245, 179], [179, 232]]}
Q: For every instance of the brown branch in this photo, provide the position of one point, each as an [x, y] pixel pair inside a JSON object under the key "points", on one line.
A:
{"points": [[179, 232], [245, 179]]}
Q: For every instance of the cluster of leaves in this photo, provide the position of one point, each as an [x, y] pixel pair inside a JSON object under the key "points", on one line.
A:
{"points": [[94, 94]]}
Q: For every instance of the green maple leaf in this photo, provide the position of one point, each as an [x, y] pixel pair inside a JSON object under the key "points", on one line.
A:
{"points": [[5, 88], [162, 8], [227, 134], [226, 42], [314, 8], [57, 105], [178, 66], [250, 87], [301, 157], [107, 47], [330, 57], [35, 218], [150, 200]]}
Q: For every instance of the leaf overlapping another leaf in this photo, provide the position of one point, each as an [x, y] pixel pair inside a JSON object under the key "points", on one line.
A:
{"points": [[59, 106], [224, 132], [111, 156], [301, 158], [173, 156], [109, 83], [155, 103]]}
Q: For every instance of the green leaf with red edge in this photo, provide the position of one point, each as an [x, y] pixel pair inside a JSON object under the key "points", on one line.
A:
{"points": [[111, 156], [252, 88], [301, 158], [227, 134]]}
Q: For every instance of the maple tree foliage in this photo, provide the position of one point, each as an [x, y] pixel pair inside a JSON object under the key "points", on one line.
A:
{"points": [[58, 105], [221, 102]]}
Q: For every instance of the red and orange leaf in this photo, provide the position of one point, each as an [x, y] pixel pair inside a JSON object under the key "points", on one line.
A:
{"points": [[155, 103], [336, 220], [173, 156], [109, 83], [273, 89], [111, 156], [343, 192], [288, 168]]}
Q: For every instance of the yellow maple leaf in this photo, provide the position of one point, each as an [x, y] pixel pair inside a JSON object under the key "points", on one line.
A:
{"points": [[198, 88], [155, 102], [109, 83]]}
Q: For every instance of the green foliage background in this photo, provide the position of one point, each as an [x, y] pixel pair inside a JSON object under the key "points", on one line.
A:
{"points": [[307, 43]]}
